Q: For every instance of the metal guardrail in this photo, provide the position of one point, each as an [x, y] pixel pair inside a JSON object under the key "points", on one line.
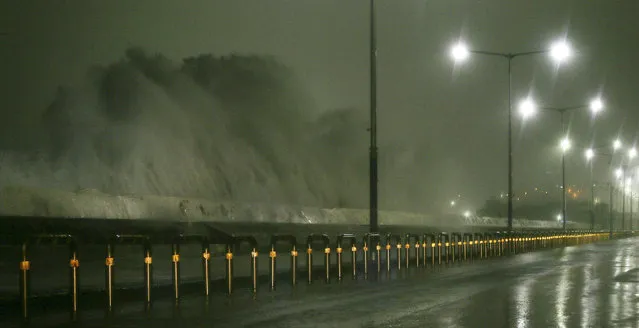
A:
{"points": [[428, 249]]}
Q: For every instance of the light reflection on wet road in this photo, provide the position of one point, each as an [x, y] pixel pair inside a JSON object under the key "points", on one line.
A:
{"points": [[594, 285]]}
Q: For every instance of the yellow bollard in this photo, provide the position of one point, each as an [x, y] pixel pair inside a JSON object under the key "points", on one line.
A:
{"points": [[206, 264], [229, 269], [109, 262], [25, 283]]}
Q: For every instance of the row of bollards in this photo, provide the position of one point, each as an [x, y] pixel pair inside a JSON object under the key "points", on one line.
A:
{"points": [[435, 249]]}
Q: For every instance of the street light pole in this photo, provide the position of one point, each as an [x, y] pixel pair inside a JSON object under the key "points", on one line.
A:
{"points": [[592, 199], [623, 198], [560, 51], [631, 195], [610, 217], [509, 58], [595, 106], [510, 144], [373, 180], [563, 175]]}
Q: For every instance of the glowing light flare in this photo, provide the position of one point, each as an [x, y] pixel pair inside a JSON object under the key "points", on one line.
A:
{"points": [[459, 52], [466, 214], [527, 108], [596, 106], [616, 144], [589, 153], [565, 144], [632, 153], [560, 51]]}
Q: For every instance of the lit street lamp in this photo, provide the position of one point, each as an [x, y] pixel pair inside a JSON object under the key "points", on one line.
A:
{"points": [[527, 108], [625, 176], [565, 144], [616, 144], [559, 51], [595, 106]]}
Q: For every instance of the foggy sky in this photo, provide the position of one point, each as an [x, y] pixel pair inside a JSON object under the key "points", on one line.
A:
{"points": [[459, 111]]}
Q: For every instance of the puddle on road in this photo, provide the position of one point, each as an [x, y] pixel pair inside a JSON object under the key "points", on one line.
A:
{"points": [[628, 276]]}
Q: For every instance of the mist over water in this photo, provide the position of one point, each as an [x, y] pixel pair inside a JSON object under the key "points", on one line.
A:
{"points": [[233, 128], [239, 128]]}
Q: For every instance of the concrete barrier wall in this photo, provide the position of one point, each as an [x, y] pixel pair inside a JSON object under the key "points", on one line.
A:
{"points": [[23, 201]]}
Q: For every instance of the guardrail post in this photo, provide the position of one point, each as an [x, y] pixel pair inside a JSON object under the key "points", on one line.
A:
{"points": [[272, 255], [327, 255], [109, 262], [424, 250], [439, 249], [74, 264], [229, 268], [406, 254], [327, 262], [175, 262], [206, 264], [25, 282], [388, 255], [148, 271], [338, 250], [429, 243], [414, 239], [456, 242], [378, 248], [365, 251], [417, 253], [398, 244], [309, 262], [237, 242], [464, 250], [354, 258], [353, 248], [294, 265], [446, 244], [254, 255], [371, 240]]}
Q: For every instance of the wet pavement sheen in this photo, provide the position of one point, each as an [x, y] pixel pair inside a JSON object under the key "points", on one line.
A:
{"points": [[593, 285]]}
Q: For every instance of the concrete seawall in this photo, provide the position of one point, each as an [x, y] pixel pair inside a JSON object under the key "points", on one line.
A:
{"points": [[23, 201]]}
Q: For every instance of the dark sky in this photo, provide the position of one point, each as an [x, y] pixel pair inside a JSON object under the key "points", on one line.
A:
{"points": [[422, 95]]}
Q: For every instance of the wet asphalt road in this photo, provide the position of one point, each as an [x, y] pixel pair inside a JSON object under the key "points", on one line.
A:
{"points": [[594, 285]]}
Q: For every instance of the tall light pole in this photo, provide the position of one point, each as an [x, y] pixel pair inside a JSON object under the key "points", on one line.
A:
{"points": [[611, 218], [631, 201], [590, 153], [619, 176], [372, 158], [623, 197], [565, 145], [560, 51], [632, 153], [627, 183], [595, 106]]}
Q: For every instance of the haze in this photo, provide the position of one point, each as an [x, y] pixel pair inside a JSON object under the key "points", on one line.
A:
{"points": [[442, 127]]}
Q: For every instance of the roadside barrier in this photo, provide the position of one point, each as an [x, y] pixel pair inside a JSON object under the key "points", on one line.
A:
{"points": [[429, 250], [292, 242], [312, 238], [353, 247]]}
